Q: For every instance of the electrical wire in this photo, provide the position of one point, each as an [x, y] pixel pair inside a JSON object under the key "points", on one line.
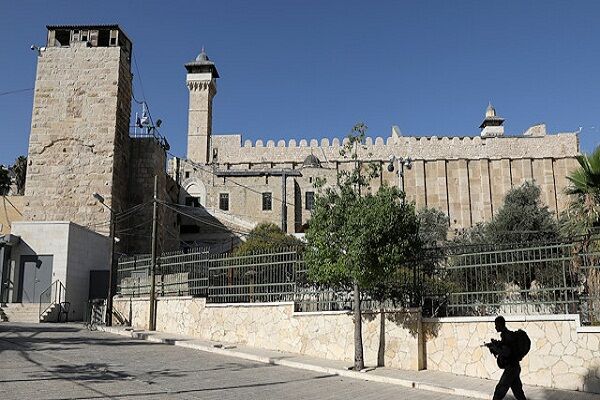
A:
{"points": [[195, 218], [124, 214], [15, 91], [229, 179], [129, 229], [139, 76]]}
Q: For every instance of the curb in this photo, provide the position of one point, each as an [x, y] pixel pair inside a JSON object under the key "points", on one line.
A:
{"points": [[364, 376]]}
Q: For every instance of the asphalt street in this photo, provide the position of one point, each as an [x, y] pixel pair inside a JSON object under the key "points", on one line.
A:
{"points": [[51, 361]]}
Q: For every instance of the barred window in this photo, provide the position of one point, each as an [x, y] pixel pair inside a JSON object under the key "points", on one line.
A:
{"points": [[309, 202], [224, 201], [267, 201]]}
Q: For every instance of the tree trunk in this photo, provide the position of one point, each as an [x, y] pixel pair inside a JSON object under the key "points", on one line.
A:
{"points": [[381, 351], [359, 363]]}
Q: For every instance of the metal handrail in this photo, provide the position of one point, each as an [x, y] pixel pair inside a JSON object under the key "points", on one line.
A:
{"points": [[59, 296]]}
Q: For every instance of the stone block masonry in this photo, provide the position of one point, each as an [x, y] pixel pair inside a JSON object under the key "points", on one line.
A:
{"points": [[275, 326], [563, 354], [467, 178], [79, 135]]}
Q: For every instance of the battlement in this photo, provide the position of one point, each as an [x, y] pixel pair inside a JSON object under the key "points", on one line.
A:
{"points": [[230, 148]]}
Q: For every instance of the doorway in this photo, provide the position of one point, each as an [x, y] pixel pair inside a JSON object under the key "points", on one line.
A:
{"points": [[34, 278]]}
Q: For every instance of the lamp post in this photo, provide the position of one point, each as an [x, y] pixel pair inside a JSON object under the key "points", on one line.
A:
{"points": [[402, 162], [111, 289]]}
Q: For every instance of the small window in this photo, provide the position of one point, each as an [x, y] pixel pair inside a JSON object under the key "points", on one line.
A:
{"points": [[187, 174], [192, 201], [224, 201], [309, 200], [267, 201], [62, 37]]}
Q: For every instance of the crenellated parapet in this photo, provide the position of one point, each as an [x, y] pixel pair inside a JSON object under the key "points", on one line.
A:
{"points": [[231, 150]]}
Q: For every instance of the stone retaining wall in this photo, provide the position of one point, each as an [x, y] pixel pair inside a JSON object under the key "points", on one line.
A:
{"points": [[563, 354], [275, 326]]}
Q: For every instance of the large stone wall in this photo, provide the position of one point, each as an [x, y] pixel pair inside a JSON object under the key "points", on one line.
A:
{"points": [[276, 326], [563, 354], [79, 135], [464, 177], [231, 150], [147, 160]]}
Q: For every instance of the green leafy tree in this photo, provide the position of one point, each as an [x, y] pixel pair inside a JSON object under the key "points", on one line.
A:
{"points": [[357, 240], [523, 218], [20, 171], [4, 181], [433, 227], [266, 237]]}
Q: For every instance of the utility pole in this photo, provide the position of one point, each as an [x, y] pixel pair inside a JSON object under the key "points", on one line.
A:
{"points": [[283, 202], [111, 272], [152, 317]]}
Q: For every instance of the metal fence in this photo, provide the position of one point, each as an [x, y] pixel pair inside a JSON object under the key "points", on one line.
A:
{"points": [[511, 279], [451, 281]]}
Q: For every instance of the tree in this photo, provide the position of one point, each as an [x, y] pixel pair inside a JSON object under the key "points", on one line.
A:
{"points": [[522, 218], [360, 241], [433, 226], [20, 171], [266, 237], [582, 218], [583, 212], [4, 181]]}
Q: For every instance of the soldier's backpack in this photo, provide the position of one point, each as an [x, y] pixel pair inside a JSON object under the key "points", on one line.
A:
{"points": [[521, 343]]}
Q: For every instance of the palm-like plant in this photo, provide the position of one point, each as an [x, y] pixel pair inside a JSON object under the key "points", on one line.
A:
{"points": [[583, 213], [582, 218]]}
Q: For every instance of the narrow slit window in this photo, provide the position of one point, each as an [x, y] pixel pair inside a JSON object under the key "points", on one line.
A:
{"points": [[224, 201], [309, 201], [267, 201]]}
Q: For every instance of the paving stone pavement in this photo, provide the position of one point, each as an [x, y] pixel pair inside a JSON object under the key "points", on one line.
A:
{"points": [[65, 361], [427, 380]]}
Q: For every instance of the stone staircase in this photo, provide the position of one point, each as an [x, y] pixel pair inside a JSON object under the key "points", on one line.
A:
{"points": [[26, 312]]}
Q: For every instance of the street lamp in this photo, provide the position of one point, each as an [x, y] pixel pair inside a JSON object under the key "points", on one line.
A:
{"points": [[402, 162], [111, 235]]}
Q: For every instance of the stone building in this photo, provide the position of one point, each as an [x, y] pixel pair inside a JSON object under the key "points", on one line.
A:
{"points": [[80, 140], [240, 183], [80, 146]]}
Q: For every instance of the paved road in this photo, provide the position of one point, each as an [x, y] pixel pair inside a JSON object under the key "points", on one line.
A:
{"points": [[51, 361]]}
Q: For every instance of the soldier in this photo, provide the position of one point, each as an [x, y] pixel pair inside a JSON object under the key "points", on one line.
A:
{"points": [[505, 351]]}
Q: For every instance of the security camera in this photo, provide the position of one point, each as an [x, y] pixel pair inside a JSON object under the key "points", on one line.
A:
{"points": [[38, 49]]}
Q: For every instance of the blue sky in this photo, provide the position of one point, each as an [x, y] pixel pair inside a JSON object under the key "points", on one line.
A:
{"points": [[312, 69]]}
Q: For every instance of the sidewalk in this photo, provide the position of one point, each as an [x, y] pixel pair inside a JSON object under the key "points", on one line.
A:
{"points": [[434, 381]]}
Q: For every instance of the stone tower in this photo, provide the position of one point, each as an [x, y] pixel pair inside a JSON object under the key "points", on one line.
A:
{"points": [[202, 83], [79, 142]]}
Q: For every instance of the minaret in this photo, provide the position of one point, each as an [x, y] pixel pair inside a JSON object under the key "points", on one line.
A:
{"points": [[492, 124], [201, 82]]}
